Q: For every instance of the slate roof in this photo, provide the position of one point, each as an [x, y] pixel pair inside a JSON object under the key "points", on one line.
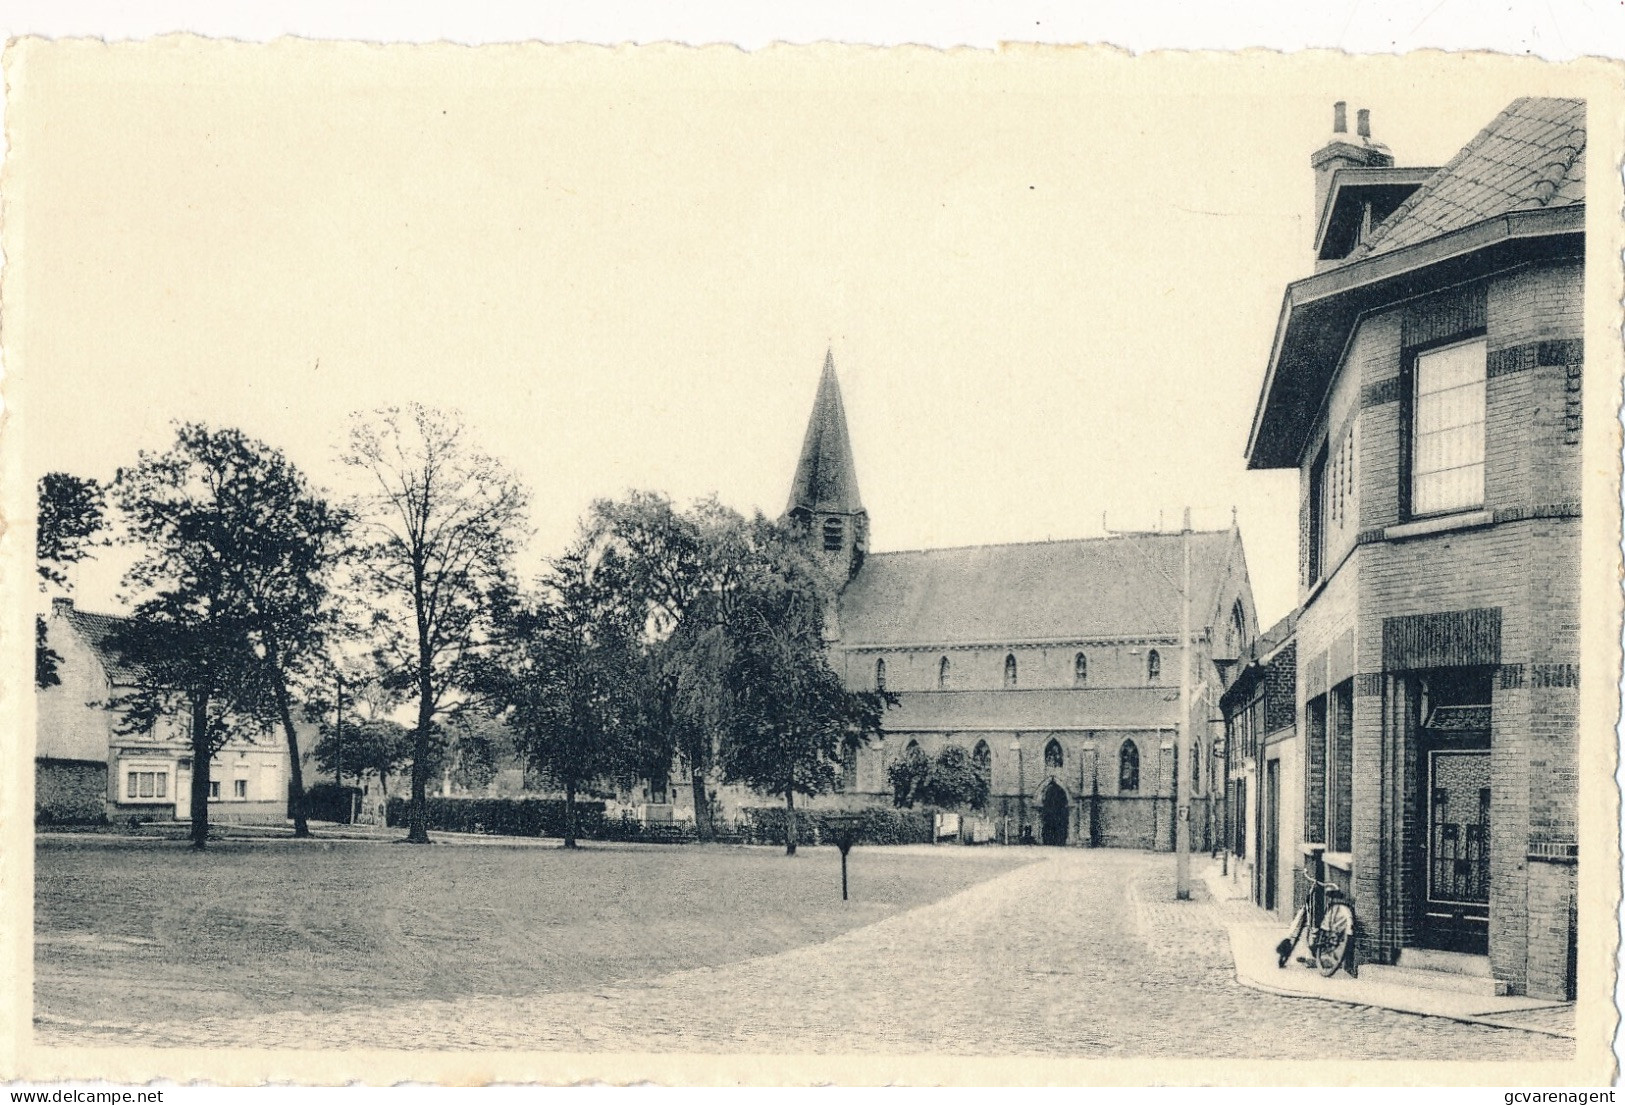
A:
{"points": [[826, 480], [97, 631], [1108, 587], [1532, 155], [1044, 708]]}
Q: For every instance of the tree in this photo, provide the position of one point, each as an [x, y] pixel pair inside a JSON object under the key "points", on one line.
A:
{"points": [[72, 512], [685, 568], [200, 513], [573, 678], [373, 744], [950, 781], [790, 716], [439, 528]]}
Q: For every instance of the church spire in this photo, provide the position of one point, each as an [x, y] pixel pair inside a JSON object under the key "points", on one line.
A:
{"points": [[826, 480], [824, 502]]}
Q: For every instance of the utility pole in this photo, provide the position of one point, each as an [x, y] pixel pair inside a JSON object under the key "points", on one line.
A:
{"points": [[1182, 741], [1182, 733], [338, 736]]}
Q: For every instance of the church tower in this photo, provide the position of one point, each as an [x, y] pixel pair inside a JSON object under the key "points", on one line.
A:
{"points": [[824, 503]]}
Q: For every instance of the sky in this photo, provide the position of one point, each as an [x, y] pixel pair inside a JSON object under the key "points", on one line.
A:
{"points": [[1049, 282]]}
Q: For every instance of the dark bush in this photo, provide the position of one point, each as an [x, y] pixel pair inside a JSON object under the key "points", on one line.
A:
{"points": [[766, 825], [504, 816]]}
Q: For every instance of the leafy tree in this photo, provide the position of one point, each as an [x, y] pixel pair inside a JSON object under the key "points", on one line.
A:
{"points": [[909, 776], [439, 530], [685, 568], [199, 512], [378, 745], [72, 512], [950, 781], [573, 679], [789, 713]]}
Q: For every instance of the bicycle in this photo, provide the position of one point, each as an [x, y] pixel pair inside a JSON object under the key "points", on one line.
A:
{"points": [[1330, 934]]}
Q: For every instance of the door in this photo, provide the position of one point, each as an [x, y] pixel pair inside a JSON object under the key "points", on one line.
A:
{"points": [[1270, 826], [1456, 870], [1055, 815]]}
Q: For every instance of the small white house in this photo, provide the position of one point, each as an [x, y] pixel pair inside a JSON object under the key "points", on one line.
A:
{"points": [[86, 770]]}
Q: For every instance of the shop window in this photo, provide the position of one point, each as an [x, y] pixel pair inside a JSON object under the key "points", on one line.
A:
{"points": [[146, 784]]}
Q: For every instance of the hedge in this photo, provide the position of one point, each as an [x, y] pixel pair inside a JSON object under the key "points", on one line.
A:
{"points": [[758, 825], [766, 825], [503, 816]]}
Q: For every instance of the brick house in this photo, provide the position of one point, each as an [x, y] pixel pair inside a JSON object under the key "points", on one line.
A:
{"points": [[86, 770], [1425, 383], [1054, 665], [1264, 771]]}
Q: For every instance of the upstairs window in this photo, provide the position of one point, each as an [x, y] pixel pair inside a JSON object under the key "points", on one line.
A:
{"points": [[1010, 670], [880, 675], [1054, 758], [942, 674], [1080, 670], [1447, 429], [834, 534], [1153, 666], [1128, 768]]}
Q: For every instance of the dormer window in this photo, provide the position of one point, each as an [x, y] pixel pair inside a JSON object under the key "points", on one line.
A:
{"points": [[834, 534]]}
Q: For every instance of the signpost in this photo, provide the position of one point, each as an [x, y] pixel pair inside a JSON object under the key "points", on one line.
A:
{"points": [[844, 833]]}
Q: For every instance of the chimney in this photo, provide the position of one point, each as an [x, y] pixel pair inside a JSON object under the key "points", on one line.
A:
{"points": [[1345, 151], [61, 605]]}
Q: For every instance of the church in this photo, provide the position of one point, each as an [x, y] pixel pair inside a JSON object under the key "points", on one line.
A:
{"points": [[1053, 664]]}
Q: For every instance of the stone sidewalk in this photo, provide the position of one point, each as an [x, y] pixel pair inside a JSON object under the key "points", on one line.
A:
{"points": [[1254, 934], [1084, 954]]}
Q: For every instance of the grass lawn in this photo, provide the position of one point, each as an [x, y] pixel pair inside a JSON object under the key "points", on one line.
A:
{"points": [[130, 930]]}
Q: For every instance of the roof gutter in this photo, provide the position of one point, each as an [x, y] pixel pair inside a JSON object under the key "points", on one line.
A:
{"points": [[1319, 312]]}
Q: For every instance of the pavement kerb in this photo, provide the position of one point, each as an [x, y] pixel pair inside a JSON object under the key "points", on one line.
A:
{"points": [[1253, 969]]}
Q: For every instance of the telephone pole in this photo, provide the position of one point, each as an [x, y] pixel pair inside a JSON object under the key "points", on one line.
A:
{"points": [[1182, 733]]}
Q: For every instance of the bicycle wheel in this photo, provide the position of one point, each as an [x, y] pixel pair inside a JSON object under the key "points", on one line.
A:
{"points": [[1336, 934]]}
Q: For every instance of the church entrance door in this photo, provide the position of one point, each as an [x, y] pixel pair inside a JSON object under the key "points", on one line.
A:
{"points": [[1055, 815]]}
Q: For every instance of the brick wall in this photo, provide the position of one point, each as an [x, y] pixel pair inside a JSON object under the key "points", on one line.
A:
{"points": [[1524, 566]]}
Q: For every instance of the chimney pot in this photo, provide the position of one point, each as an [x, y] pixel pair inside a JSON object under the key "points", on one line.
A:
{"points": [[1340, 117], [1363, 122], [61, 605]]}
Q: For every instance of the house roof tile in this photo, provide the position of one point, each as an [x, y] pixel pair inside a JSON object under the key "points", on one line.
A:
{"points": [[1530, 156], [1108, 587]]}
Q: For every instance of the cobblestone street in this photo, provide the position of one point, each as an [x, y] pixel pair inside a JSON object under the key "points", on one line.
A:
{"points": [[1083, 954]]}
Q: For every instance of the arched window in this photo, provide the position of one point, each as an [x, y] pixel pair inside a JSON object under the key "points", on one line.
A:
{"points": [[834, 534], [942, 674], [1196, 768], [1128, 767], [1238, 628], [1054, 758], [847, 777], [1010, 670], [911, 749], [880, 675], [1080, 670], [1153, 666]]}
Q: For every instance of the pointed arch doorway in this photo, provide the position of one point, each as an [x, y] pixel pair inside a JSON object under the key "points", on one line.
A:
{"points": [[1055, 814]]}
